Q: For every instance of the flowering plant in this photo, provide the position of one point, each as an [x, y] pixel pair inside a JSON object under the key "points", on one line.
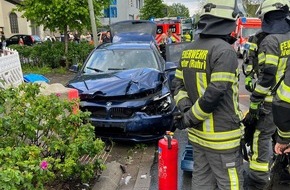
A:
{"points": [[42, 140]]}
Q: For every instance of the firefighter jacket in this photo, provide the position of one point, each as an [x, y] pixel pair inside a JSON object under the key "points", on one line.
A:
{"points": [[281, 108], [273, 51], [208, 83], [253, 43]]}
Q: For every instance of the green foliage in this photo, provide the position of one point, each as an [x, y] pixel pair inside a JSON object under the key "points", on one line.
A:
{"points": [[40, 129], [50, 54], [178, 9], [251, 10], [60, 14], [152, 8], [42, 70]]}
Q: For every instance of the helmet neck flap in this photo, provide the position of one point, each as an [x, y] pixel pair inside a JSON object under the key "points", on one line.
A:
{"points": [[276, 22], [211, 25]]}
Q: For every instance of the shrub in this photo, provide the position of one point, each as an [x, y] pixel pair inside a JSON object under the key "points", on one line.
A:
{"points": [[42, 140], [51, 54]]}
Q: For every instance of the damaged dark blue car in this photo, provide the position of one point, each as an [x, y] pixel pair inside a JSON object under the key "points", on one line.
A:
{"points": [[126, 85]]}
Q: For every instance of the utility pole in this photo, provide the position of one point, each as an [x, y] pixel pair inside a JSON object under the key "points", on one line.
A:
{"points": [[109, 15], [93, 22]]}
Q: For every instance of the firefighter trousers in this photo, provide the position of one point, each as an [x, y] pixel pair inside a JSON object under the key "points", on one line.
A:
{"points": [[261, 149], [213, 171]]}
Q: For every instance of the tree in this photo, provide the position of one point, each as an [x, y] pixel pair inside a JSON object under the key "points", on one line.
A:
{"points": [[152, 8], [251, 7], [61, 15], [178, 9]]}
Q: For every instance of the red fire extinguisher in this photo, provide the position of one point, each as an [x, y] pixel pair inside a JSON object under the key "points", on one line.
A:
{"points": [[167, 162]]}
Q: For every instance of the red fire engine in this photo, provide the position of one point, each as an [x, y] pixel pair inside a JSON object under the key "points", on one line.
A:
{"points": [[163, 25], [245, 28]]}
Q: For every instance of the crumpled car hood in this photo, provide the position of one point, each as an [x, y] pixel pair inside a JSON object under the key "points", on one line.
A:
{"points": [[119, 83]]}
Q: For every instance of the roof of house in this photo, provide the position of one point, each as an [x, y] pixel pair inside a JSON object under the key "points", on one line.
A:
{"points": [[14, 1]]}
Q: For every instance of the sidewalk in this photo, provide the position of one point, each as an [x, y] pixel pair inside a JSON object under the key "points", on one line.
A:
{"points": [[128, 168]]}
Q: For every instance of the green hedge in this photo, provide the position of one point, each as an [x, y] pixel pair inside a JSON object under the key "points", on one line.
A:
{"points": [[51, 54]]}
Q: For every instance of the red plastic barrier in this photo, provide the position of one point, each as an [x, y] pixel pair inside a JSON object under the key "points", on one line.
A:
{"points": [[72, 95]]}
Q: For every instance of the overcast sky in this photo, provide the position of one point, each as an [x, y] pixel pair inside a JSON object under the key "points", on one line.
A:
{"points": [[192, 5]]}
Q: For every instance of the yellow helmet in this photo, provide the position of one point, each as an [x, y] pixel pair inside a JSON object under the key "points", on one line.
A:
{"points": [[272, 5], [222, 9]]}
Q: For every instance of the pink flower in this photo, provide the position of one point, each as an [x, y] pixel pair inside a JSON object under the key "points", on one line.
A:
{"points": [[58, 94], [44, 165]]}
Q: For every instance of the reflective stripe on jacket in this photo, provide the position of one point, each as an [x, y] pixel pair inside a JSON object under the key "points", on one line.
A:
{"points": [[208, 76], [274, 51], [281, 108]]}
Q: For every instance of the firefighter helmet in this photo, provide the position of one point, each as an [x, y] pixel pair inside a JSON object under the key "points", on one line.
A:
{"points": [[272, 5], [222, 9]]}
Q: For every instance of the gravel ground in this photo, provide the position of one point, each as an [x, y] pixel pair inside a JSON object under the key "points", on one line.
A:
{"points": [[60, 78]]}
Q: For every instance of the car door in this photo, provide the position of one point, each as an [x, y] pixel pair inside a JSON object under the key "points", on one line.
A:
{"points": [[12, 40], [173, 53], [27, 40]]}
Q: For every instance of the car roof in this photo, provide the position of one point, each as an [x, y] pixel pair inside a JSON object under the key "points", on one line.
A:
{"points": [[126, 45]]}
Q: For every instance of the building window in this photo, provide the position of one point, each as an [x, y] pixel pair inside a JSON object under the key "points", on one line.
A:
{"points": [[111, 12], [34, 28], [13, 23], [138, 4], [131, 3]]}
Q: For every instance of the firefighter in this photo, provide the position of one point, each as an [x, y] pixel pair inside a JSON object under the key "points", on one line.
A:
{"points": [[187, 37], [207, 97], [272, 57], [281, 112], [170, 38], [251, 67]]}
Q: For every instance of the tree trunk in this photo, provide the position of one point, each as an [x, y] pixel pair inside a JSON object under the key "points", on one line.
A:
{"points": [[66, 46]]}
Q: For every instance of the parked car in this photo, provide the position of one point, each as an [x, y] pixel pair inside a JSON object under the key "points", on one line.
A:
{"points": [[27, 39], [126, 87]]}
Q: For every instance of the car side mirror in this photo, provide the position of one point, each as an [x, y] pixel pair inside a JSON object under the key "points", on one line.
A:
{"points": [[74, 68], [170, 66]]}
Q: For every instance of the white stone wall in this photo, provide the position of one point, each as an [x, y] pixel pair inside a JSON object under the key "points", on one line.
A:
{"points": [[10, 68]]}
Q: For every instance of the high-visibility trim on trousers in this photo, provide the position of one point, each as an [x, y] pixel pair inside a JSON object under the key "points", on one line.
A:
{"points": [[234, 179]]}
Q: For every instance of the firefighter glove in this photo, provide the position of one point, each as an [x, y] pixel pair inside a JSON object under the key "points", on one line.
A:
{"points": [[184, 105], [249, 84], [249, 131], [177, 120], [250, 122], [182, 120], [253, 115]]}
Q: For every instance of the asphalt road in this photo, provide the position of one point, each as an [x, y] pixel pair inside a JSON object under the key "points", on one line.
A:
{"points": [[184, 178]]}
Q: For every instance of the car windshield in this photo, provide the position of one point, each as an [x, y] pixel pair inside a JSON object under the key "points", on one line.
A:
{"points": [[246, 32], [112, 60]]}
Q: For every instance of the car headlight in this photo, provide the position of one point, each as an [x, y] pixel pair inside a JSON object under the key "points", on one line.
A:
{"points": [[159, 105]]}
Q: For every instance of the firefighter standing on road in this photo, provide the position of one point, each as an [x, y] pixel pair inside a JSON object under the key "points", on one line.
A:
{"points": [[273, 54], [207, 96], [281, 112]]}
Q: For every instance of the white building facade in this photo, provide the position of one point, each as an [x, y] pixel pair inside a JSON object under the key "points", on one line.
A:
{"points": [[122, 10], [12, 22]]}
